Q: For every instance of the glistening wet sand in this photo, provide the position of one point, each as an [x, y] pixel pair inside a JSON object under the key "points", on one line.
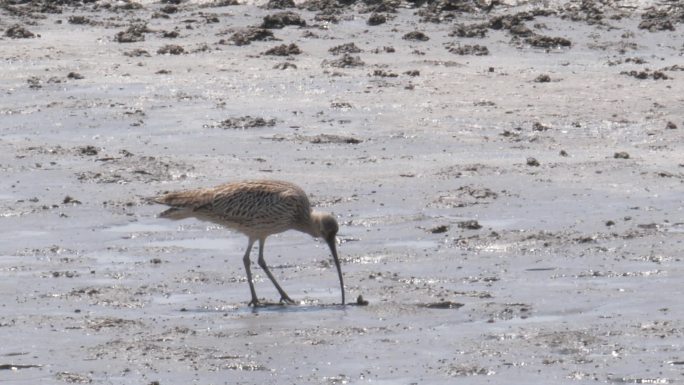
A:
{"points": [[538, 187]]}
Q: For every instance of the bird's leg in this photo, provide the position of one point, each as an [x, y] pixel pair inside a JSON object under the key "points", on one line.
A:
{"points": [[283, 296], [245, 259]]}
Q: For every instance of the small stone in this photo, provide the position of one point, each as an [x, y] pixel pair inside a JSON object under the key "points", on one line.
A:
{"points": [[171, 49], [376, 19], [284, 50], [67, 199], [540, 127], [18, 32], [671, 126], [439, 229], [544, 78], [532, 162], [470, 225], [416, 36], [282, 19], [621, 155]]}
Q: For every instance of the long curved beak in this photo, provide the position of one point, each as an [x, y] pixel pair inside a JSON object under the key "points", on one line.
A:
{"points": [[331, 243]]}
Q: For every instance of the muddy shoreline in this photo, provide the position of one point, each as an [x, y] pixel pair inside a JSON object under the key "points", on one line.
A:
{"points": [[508, 179]]}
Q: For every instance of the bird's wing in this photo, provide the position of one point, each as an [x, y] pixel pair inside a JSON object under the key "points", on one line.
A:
{"points": [[242, 202]]}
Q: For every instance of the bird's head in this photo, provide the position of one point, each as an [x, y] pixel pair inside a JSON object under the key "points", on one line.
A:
{"points": [[325, 226]]}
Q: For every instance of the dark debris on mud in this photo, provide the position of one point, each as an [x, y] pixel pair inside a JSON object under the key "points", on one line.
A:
{"points": [[248, 35], [245, 122], [347, 48], [282, 19], [346, 61], [467, 49], [284, 50]]}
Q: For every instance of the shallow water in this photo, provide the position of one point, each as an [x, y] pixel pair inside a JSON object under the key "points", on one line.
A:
{"points": [[574, 276]]}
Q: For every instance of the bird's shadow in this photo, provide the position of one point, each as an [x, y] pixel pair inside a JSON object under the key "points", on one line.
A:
{"points": [[272, 307]]}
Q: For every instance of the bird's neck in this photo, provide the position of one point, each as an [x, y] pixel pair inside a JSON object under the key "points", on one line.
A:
{"points": [[313, 227]]}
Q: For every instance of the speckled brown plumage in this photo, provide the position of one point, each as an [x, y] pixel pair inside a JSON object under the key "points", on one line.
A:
{"points": [[257, 209]]}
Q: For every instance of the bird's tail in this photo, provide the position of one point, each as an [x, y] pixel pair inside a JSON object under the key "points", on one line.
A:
{"points": [[183, 204], [184, 199], [177, 213]]}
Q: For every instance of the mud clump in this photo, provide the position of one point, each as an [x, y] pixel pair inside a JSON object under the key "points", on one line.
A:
{"points": [[282, 19], [87, 150], [133, 34], [472, 30], [543, 78], [330, 139], [661, 19], [467, 49], [285, 66], [280, 4], [541, 41], [646, 74], [128, 169], [444, 305], [69, 200], [245, 122], [18, 32], [416, 36], [345, 49], [384, 74], [171, 49], [170, 34], [249, 35], [438, 11], [346, 61], [73, 378], [469, 225], [284, 50], [137, 53], [439, 229], [520, 30], [224, 3], [587, 11], [75, 76], [80, 20], [376, 19], [327, 7], [537, 126]]}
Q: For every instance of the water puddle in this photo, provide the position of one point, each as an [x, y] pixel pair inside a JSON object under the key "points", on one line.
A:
{"points": [[541, 269], [15, 367], [137, 227], [200, 243], [268, 307], [638, 380], [441, 305], [413, 244]]}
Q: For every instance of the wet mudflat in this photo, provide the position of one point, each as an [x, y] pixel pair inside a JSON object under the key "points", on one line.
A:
{"points": [[508, 180]]}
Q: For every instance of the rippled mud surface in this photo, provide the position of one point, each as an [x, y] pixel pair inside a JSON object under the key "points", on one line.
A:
{"points": [[508, 178]]}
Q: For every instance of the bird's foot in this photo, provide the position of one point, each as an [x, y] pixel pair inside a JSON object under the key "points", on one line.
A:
{"points": [[254, 302], [286, 299]]}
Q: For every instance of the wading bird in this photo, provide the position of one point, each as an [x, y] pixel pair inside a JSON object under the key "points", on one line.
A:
{"points": [[257, 209]]}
